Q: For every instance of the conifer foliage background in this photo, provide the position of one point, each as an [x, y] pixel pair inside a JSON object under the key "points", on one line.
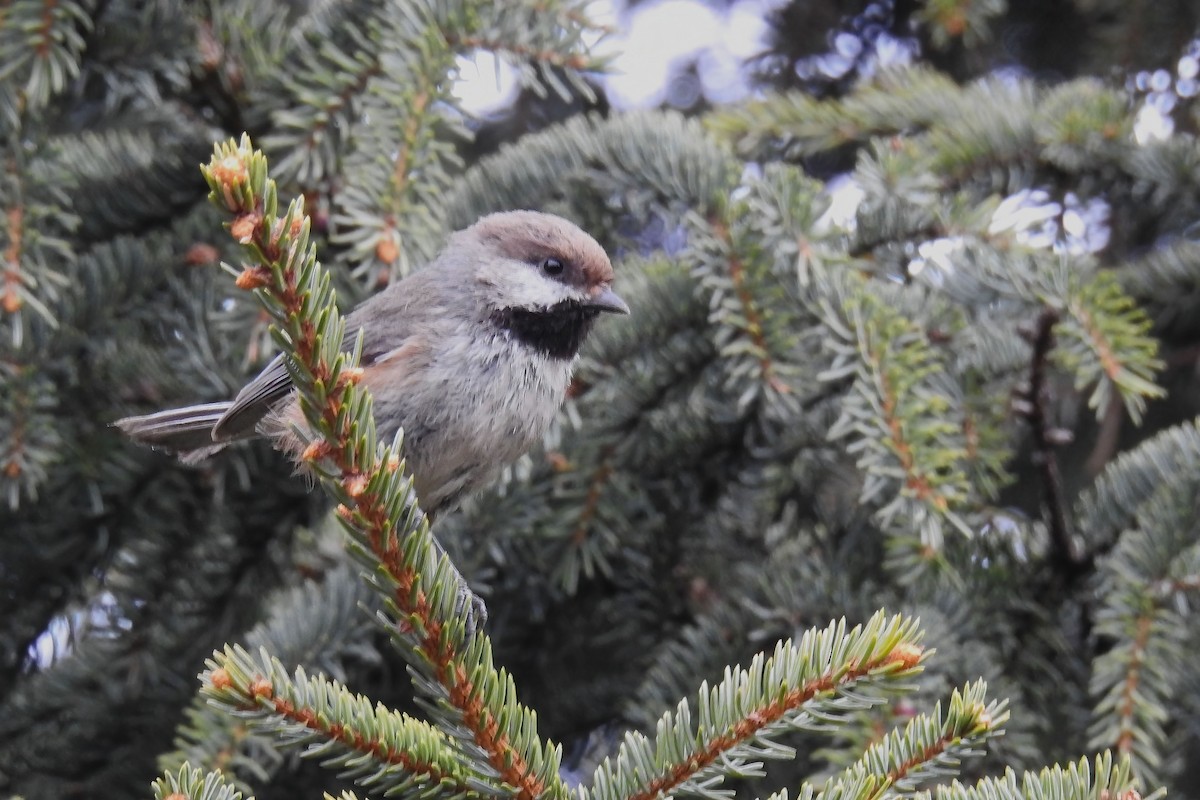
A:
{"points": [[972, 400]]}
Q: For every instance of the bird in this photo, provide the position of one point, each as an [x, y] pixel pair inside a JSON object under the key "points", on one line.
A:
{"points": [[470, 355]]}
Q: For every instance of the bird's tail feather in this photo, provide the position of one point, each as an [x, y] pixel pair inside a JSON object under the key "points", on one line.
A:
{"points": [[187, 432]]}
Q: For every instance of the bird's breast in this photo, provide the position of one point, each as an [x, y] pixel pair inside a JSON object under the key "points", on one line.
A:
{"points": [[476, 406]]}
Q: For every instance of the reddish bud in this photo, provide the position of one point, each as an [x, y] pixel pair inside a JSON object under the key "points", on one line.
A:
{"points": [[253, 278], [220, 679], [906, 655], [230, 170], [244, 226], [576, 388], [355, 485], [200, 254], [351, 376], [386, 250], [209, 47], [558, 462], [315, 451], [954, 23], [701, 592]]}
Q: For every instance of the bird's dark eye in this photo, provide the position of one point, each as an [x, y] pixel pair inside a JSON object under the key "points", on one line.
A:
{"points": [[552, 266]]}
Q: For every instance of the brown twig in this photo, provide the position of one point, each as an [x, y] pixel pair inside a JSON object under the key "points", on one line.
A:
{"points": [[1133, 674], [370, 508], [754, 323], [10, 298], [595, 491], [755, 719], [1033, 405], [262, 693], [1107, 441], [903, 769], [365, 507]]}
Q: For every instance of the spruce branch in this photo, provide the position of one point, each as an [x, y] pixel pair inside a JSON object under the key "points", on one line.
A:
{"points": [[948, 21], [649, 162], [1083, 125], [988, 444], [309, 131], [1112, 503], [797, 124], [552, 58], [1034, 406], [382, 750], [1102, 778], [569, 12], [30, 441], [398, 169], [41, 42], [155, 153], [954, 135], [1103, 337], [386, 216], [35, 245], [587, 548], [994, 127], [1144, 586], [702, 646], [1167, 280], [332, 53], [746, 314], [544, 41], [424, 595], [752, 309], [595, 513], [242, 45], [930, 745], [809, 684], [899, 413], [785, 208], [323, 638], [10, 298], [194, 784], [1121, 357]]}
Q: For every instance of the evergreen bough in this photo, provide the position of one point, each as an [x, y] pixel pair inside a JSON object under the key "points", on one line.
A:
{"points": [[925, 406]]}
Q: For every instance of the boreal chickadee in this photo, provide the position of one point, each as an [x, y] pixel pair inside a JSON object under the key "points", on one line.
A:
{"points": [[471, 355]]}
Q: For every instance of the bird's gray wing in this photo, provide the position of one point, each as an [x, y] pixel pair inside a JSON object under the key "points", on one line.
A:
{"points": [[257, 398], [254, 401]]}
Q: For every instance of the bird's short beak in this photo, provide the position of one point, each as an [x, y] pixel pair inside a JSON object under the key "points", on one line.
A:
{"points": [[607, 300]]}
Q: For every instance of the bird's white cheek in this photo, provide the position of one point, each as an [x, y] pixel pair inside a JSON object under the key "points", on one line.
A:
{"points": [[517, 285]]}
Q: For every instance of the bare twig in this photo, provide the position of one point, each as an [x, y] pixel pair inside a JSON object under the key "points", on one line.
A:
{"points": [[1032, 403]]}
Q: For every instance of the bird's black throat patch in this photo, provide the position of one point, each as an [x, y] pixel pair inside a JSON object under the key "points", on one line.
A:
{"points": [[557, 331]]}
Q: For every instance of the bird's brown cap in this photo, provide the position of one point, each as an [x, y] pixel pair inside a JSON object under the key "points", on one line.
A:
{"points": [[532, 237]]}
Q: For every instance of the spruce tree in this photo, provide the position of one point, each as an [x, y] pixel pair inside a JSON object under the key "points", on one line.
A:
{"points": [[855, 504]]}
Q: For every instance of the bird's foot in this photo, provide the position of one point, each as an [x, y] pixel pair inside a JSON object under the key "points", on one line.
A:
{"points": [[470, 608]]}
